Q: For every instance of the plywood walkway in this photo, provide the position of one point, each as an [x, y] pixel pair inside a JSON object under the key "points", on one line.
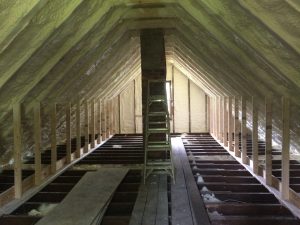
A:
{"points": [[82, 207]]}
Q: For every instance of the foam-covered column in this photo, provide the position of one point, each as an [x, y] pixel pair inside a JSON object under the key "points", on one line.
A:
{"points": [[153, 60]]}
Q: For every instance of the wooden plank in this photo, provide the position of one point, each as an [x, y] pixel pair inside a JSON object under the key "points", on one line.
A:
{"points": [[244, 130], [17, 150], [268, 140], [93, 133], [68, 132], [99, 122], [207, 113], [230, 124], [254, 136], [101, 186], [86, 126], [149, 216], [139, 206], [173, 92], [134, 105], [78, 130], [225, 122], [181, 208], [162, 216], [285, 173], [37, 143], [198, 209], [218, 117], [53, 137], [236, 127]]}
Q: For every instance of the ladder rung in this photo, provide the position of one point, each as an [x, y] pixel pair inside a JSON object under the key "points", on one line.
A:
{"points": [[159, 142], [158, 130], [157, 122], [157, 114], [157, 164], [159, 98]]}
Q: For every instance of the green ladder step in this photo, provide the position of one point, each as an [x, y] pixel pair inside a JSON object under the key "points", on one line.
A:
{"points": [[157, 114], [158, 130]]}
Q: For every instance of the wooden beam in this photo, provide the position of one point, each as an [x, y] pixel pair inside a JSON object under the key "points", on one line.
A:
{"points": [[78, 130], [225, 122], [93, 133], [68, 132], [244, 129], [53, 137], [17, 150], [268, 140], [230, 123], [285, 173], [172, 103], [86, 126], [37, 143], [254, 136], [236, 127], [99, 122]]}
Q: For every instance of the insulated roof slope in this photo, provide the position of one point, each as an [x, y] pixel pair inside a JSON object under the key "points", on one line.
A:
{"points": [[59, 50]]}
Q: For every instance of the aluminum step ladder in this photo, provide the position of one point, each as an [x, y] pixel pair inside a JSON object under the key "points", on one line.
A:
{"points": [[157, 138]]}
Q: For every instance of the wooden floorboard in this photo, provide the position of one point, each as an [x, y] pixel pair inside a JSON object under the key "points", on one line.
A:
{"points": [[198, 210], [181, 210]]}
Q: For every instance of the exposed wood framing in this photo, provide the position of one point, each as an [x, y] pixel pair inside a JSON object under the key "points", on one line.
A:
{"points": [[17, 149], [218, 117], [254, 136], [189, 105], [268, 140], [53, 137], [244, 129], [230, 124], [134, 105], [285, 174], [208, 115], [225, 121], [104, 131], [86, 126], [68, 132], [119, 112], [93, 133], [99, 122], [78, 130], [172, 103], [37, 143], [236, 127], [221, 129]]}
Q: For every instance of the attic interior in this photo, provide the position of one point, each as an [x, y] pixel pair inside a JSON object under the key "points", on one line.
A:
{"points": [[149, 112]]}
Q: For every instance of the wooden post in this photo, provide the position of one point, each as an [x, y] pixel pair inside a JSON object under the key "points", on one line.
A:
{"points": [[107, 119], [254, 136], [53, 137], [225, 122], [218, 118], [189, 105], [37, 143], [230, 123], [119, 112], [208, 113], [221, 119], [236, 127], [134, 105], [86, 126], [78, 130], [17, 150], [173, 98], [99, 122], [268, 140], [104, 135], [68, 132], [93, 123], [244, 129], [285, 174]]}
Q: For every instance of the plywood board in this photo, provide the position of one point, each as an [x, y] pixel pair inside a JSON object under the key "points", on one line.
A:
{"points": [[87, 199]]}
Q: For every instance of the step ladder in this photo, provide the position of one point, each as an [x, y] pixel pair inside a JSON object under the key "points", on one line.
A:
{"points": [[157, 139]]}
